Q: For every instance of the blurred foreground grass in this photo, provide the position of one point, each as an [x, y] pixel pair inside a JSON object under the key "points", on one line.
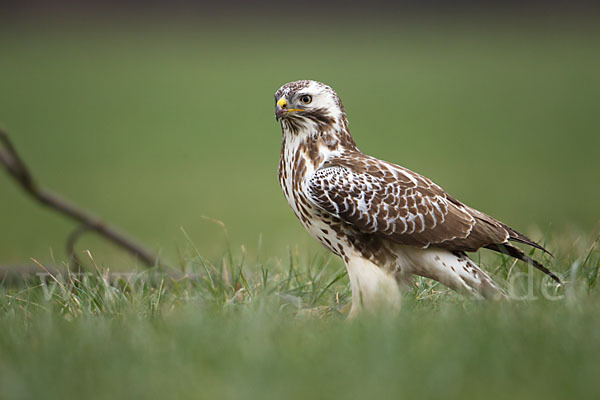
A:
{"points": [[154, 127], [255, 331]]}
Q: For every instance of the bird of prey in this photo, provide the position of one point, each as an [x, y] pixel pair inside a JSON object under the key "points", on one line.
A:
{"points": [[386, 222]]}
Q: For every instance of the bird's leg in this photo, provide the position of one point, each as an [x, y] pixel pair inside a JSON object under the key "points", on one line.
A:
{"points": [[373, 288], [455, 270]]}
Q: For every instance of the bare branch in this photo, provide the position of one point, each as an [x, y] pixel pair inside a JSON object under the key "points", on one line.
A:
{"points": [[14, 164], [89, 222], [71, 241]]}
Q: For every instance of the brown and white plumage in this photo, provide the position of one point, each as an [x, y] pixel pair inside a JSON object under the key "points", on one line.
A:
{"points": [[385, 221]]}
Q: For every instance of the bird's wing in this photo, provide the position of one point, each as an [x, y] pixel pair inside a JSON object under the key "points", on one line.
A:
{"points": [[385, 199]]}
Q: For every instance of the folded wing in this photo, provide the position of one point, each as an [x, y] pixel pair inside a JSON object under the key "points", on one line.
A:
{"points": [[385, 199]]}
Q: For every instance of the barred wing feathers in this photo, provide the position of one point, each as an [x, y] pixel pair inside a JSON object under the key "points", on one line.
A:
{"points": [[385, 199]]}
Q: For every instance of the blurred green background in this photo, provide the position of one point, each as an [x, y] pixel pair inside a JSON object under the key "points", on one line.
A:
{"points": [[156, 125]]}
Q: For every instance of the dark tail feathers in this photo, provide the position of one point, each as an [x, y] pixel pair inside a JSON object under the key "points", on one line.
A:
{"points": [[517, 253], [529, 242], [520, 238]]}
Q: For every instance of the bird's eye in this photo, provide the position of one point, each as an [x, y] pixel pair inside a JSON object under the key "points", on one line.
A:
{"points": [[306, 99]]}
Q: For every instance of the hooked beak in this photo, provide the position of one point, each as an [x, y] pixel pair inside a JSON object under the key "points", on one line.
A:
{"points": [[281, 109]]}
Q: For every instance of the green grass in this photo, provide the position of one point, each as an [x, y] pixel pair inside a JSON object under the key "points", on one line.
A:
{"points": [[243, 329]]}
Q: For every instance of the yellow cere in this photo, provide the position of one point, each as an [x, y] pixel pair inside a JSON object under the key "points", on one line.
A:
{"points": [[283, 102]]}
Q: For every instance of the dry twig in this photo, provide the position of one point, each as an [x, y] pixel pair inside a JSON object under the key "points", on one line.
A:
{"points": [[88, 222]]}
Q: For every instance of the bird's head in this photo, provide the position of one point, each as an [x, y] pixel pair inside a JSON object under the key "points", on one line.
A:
{"points": [[309, 106]]}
